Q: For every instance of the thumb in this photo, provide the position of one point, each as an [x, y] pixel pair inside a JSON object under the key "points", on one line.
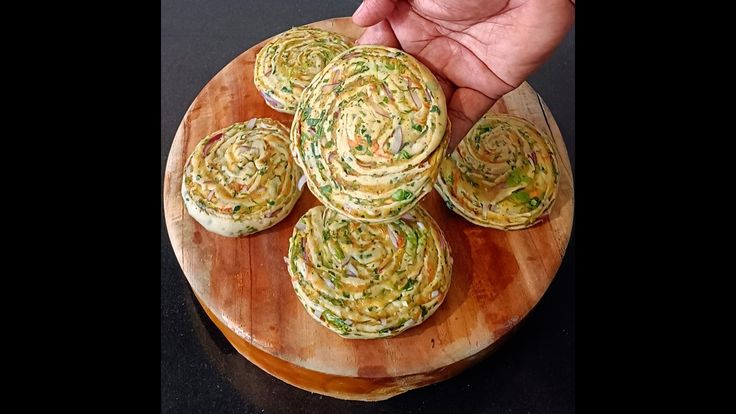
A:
{"points": [[373, 11]]}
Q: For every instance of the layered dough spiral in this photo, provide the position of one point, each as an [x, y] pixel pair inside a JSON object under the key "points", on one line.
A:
{"points": [[503, 174], [365, 280], [370, 132], [286, 64], [242, 178]]}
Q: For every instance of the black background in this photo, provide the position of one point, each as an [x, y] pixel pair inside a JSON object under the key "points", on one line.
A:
{"points": [[200, 372]]}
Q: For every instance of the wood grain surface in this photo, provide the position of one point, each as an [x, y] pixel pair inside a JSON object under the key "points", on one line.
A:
{"points": [[244, 285]]}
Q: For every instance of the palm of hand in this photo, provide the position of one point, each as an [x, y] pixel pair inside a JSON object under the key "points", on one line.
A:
{"points": [[480, 49]]}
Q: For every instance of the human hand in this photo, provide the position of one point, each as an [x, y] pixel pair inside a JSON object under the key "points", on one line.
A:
{"points": [[479, 49]]}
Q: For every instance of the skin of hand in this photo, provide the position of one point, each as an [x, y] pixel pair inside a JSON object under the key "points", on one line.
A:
{"points": [[478, 49]]}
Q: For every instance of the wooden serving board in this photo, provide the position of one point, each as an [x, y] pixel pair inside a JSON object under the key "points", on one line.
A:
{"points": [[244, 286]]}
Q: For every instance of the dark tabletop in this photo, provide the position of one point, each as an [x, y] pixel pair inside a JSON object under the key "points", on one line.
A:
{"points": [[532, 372]]}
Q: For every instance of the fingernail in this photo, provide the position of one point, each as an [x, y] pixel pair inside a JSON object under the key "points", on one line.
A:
{"points": [[359, 8]]}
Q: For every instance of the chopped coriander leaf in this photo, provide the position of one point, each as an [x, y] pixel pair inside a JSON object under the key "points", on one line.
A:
{"points": [[409, 284], [520, 197], [401, 194], [534, 203], [516, 177]]}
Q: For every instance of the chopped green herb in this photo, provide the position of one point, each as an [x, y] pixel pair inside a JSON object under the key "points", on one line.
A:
{"points": [[417, 127], [401, 194], [409, 284], [335, 279], [411, 237], [359, 147], [334, 301], [235, 209], [534, 203], [390, 66], [305, 113], [325, 189], [424, 310], [516, 177], [520, 197], [405, 155], [435, 108], [335, 321], [286, 89], [271, 202]]}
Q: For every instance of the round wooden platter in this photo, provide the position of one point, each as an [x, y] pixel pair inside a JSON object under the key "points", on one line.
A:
{"points": [[244, 286]]}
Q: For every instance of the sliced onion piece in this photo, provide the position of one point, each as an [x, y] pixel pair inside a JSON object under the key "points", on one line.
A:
{"points": [[207, 147], [415, 97], [387, 91], [300, 225], [392, 235], [379, 110], [396, 140]]}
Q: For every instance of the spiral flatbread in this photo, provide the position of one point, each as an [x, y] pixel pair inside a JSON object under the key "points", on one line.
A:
{"points": [[503, 174], [286, 64], [370, 133], [367, 280], [241, 179]]}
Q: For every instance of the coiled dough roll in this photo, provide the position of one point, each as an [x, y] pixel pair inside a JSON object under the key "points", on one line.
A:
{"points": [[503, 174], [286, 64], [370, 133], [242, 178], [364, 280]]}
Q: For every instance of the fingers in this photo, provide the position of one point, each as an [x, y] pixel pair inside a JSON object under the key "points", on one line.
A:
{"points": [[465, 108], [379, 34], [372, 12]]}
